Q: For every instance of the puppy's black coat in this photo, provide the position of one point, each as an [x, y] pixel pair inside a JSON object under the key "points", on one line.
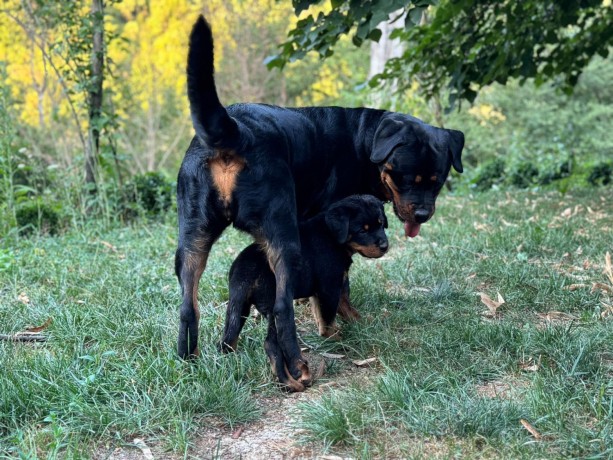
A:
{"points": [[328, 241], [262, 167]]}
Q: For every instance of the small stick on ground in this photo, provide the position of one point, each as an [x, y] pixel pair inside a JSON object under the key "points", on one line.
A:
{"points": [[23, 337]]}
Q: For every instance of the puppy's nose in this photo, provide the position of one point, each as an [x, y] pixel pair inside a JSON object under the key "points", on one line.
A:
{"points": [[383, 245], [421, 215]]}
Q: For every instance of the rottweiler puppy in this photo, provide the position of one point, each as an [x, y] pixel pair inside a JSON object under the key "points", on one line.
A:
{"points": [[328, 241], [262, 168]]}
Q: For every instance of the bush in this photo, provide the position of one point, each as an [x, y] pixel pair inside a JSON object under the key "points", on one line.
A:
{"points": [[554, 165], [600, 174], [38, 215], [522, 174], [152, 192], [489, 174]]}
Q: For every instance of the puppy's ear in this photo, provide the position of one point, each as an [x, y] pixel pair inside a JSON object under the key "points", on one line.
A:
{"points": [[337, 220], [387, 136], [456, 144]]}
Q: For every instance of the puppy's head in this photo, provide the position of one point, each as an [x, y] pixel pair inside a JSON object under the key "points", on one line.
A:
{"points": [[359, 222], [414, 160]]}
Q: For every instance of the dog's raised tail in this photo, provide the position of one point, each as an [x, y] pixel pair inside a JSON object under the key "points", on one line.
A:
{"points": [[211, 121]]}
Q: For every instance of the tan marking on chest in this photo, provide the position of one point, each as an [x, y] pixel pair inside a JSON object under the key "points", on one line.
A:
{"points": [[225, 168]]}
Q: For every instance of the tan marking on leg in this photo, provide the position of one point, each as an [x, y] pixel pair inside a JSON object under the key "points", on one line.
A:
{"points": [[196, 262], [417, 179], [292, 384], [316, 310], [305, 377], [325, 330], [346, 310], [225, 167]]}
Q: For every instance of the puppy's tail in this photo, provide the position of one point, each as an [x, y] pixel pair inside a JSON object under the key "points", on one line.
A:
{"points": [[211, 121]]}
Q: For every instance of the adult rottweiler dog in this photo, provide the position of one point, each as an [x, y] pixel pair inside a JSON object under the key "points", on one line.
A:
{"points": [[328, 241], [262, 167]]}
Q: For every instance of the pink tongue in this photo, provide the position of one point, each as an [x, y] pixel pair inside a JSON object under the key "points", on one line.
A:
{"points": [[411, 230]]}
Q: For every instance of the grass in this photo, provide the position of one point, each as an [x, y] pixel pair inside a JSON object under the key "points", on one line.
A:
{"points": [[449, 380]]}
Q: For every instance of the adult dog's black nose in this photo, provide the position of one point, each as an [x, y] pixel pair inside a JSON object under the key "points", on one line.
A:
{"points": [[421, 215], [383, 245]]}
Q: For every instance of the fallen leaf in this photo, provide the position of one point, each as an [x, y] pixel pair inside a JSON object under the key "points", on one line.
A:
{"points": [[363, 362], [574, 287], [603, 287], [608, 266], [237, 433], [108, 245], [531, 429], [568, 212], [320, 370], [556, 315], [529, 365], [492, 305], [42, 327], [140, 443], [508, 224], [332, 356], [23, 298]]}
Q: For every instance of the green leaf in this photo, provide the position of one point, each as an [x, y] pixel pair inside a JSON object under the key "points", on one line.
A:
{"points": [[375, 35]]}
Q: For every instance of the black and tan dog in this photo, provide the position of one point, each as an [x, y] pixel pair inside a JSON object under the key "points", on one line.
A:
{"points": [[262, 167], [328, 241]]}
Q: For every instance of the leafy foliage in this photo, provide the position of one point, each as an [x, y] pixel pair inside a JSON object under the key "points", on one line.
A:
{"points": [[152, 192], [39, 215], [601, 174], [468, 44]]}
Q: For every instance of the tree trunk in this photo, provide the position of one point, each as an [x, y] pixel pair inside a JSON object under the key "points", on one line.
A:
{"points": [[95, 91], [381, 52]]}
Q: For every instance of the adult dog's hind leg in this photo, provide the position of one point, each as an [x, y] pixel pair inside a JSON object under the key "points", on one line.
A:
{"points": [[199, 227], [275, 356], [190, 262], [283, 253]]}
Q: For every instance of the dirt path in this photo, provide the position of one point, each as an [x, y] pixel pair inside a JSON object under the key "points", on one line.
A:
{"points": [[273, 436]]}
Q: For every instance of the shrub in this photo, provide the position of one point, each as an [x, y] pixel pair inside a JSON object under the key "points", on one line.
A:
{"points": [[489, 174], [152, 191], [600, 174], [522, 174], [554, 165], [38, 215]]}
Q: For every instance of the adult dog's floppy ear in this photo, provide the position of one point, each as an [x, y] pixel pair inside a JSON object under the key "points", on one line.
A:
{"points": [[456, 144], [337, 220], [386, 138]]}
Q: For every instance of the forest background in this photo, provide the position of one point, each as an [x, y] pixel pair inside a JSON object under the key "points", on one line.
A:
{"points": [[517, 135]]}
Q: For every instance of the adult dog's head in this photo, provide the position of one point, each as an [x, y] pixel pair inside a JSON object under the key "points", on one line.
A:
{"points": [[414, 160]]}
